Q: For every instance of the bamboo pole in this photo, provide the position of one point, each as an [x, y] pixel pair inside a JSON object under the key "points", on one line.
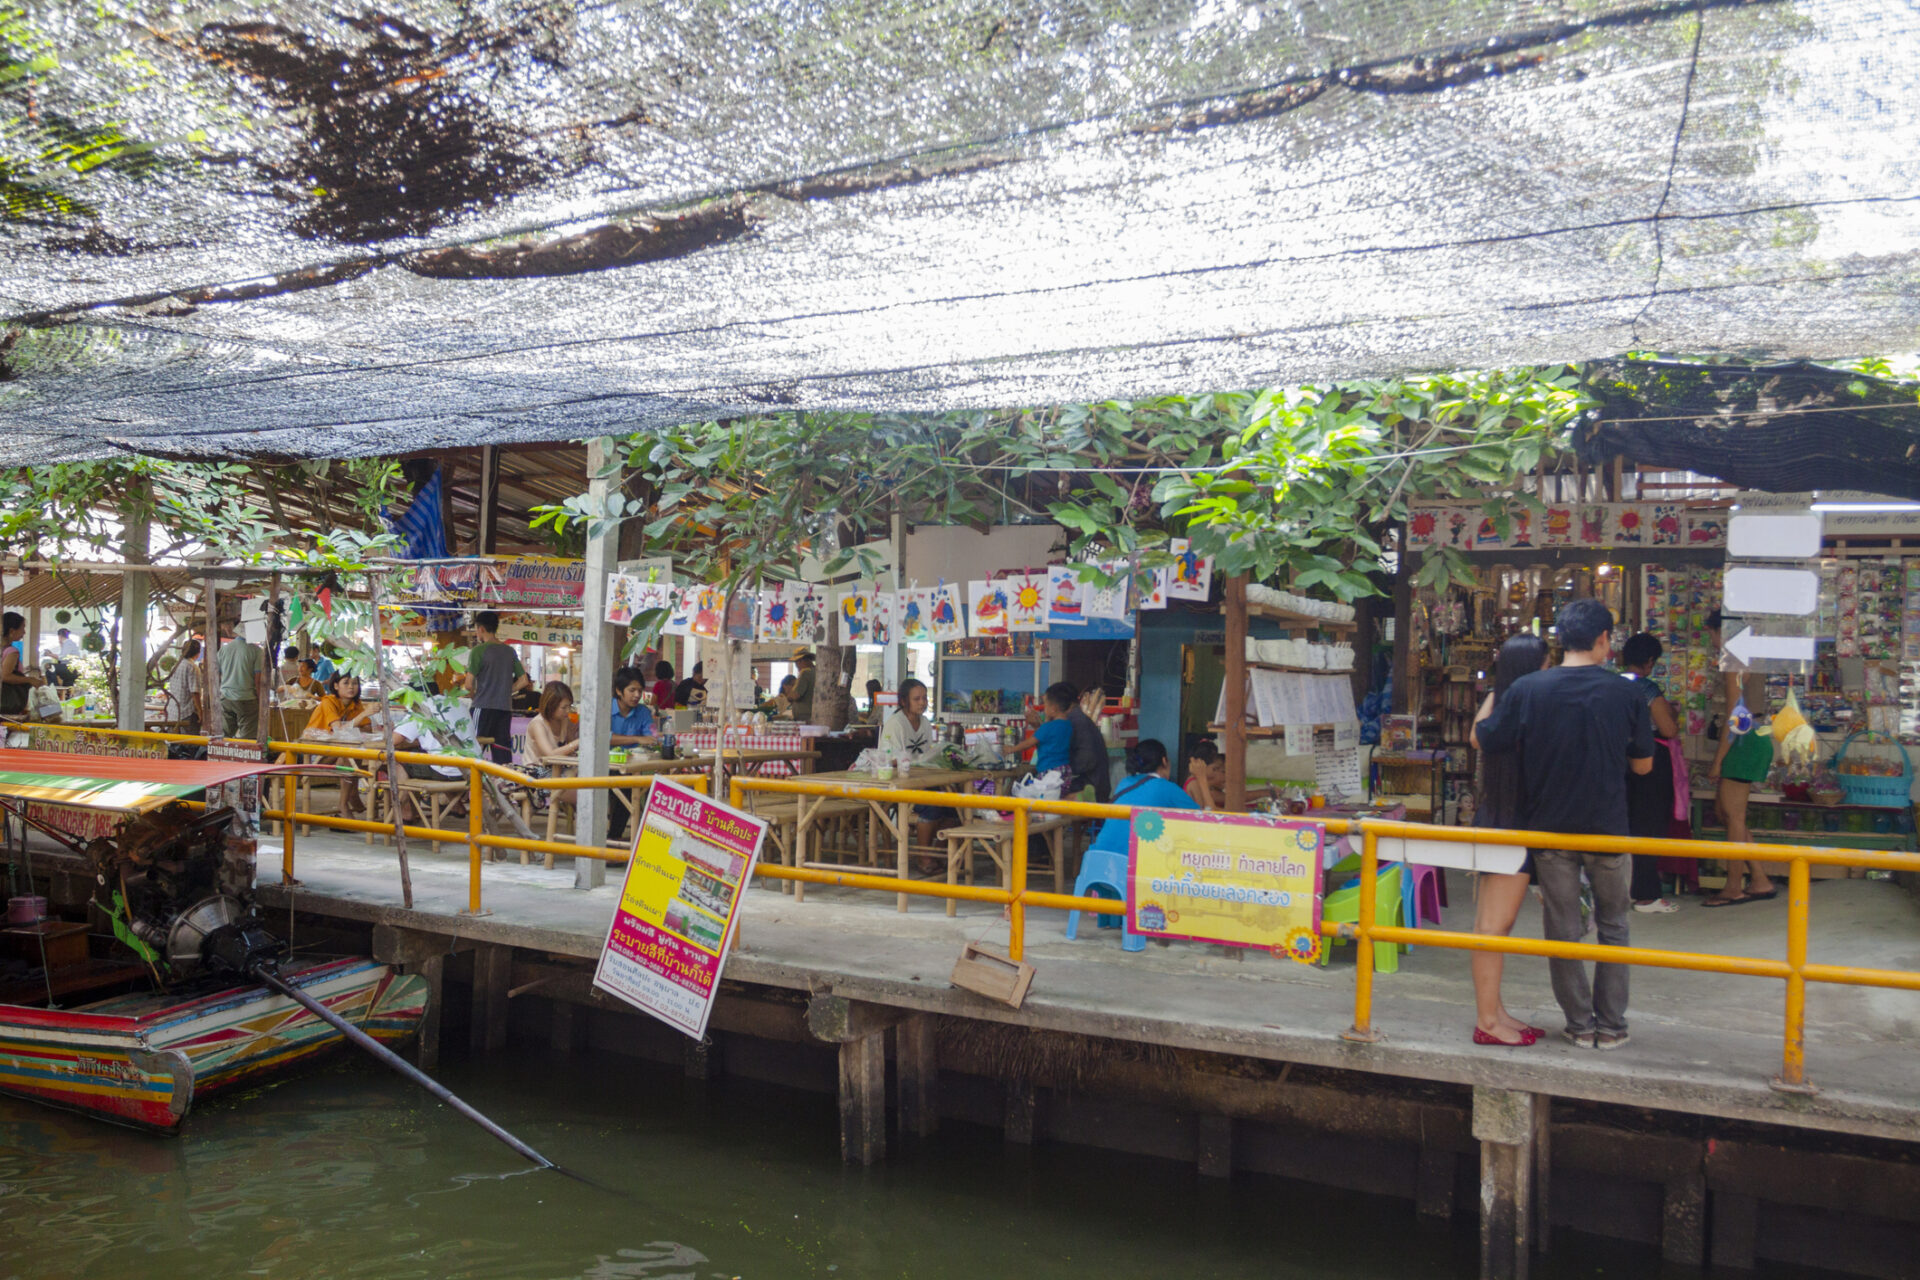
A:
{"points": [[386, 741]]}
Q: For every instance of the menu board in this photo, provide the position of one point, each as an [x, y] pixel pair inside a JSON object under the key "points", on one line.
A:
{"points": [[692, 858]]}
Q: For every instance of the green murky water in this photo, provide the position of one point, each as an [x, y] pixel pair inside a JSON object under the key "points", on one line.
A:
{"points": [[346, 1172]]}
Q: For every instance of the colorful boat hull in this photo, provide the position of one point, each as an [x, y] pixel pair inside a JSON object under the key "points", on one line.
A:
{"points": [[143, 1060]]}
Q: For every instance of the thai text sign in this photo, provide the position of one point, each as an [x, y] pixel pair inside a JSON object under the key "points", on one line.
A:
{"points": [[88, 742], [1227, 878], [691, 860]]}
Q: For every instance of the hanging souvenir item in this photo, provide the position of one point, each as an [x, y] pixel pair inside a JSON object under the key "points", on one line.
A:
{"points": [[1026, 602], [1423, 527], [1191, 577], [1556, 526], [1668, 524], [707, 604], [649, 597], [772, 622], [1150, 585], [856, 617], [812, 615], [987, 611], [1108, 603], [913, 612], [1063, 597], [740, 610], [620, 596], [883, 623], [1631, 524], [680, 612], [946, 612]]}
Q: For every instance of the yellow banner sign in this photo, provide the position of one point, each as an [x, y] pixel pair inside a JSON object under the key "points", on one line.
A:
{"points": [[1227, 878]]}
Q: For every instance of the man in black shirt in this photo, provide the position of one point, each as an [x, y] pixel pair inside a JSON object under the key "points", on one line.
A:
{"points": [[1087, 760], [1574, 726]]}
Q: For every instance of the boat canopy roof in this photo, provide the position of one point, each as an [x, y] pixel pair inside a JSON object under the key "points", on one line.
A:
{"points": [[123, 784]]}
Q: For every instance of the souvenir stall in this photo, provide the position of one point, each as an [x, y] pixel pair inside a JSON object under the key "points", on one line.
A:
{"points": [[1661, 568]]}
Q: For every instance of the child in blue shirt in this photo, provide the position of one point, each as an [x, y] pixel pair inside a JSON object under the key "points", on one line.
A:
{"points": [[1052, 739]]}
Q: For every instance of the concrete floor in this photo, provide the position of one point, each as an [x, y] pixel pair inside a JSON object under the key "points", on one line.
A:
{"points": [[1702, 1043]]}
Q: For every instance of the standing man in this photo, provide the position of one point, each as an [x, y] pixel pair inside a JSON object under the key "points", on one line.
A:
{"points": [[494, 675], [1087, 765], [238, 663], [1578, 730], [803, 691], [322, 665]]}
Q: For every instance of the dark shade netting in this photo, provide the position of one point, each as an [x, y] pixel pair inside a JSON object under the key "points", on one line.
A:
{"points": [[1785, 428], [323, 230]]}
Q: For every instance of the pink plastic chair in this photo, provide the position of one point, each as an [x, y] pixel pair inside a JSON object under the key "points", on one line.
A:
{"points": [[1428, 896]]}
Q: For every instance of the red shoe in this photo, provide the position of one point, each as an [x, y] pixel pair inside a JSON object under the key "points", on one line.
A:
{"points": [[1527, 1037]]}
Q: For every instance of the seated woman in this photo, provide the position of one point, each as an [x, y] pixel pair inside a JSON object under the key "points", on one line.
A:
{"points": [[1147, 784], [1206, 775], [304, 683], [342, 705], [552, 733], [783, 701]]}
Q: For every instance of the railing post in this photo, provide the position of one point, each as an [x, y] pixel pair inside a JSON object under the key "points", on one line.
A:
{"points": [[1793, 1066], [474, 814], [287, 788], [1362, 1028], [1017, 883]]}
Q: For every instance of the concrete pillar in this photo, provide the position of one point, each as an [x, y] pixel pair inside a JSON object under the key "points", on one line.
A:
{"points": [[917, 1076], [1214, 1146], [1511, 1126], [863, 1098], [1683, 1224], [134, 597], [599, 647]]}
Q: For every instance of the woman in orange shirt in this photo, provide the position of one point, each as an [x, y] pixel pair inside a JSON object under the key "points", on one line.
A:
{"points": [[342, 705]]}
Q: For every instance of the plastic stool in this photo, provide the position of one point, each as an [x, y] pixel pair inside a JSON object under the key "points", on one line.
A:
{"points": [[1102, 870], [1428, 895], [1343, 907]]}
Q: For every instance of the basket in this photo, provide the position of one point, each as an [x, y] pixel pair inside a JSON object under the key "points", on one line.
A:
{"points": [[1883, 793]]}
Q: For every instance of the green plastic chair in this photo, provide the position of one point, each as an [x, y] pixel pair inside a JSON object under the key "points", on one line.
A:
{"points": [[1342, 906]]}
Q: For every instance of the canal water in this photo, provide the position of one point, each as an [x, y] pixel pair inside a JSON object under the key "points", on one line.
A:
{"points": [[348, 1172]]}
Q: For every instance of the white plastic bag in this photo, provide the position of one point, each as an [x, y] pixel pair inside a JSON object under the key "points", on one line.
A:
{"points": [[1041, 786], [43, 703]]}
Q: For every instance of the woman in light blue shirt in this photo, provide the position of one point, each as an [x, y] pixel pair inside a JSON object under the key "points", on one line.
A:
{"points": [[1147, 786]]}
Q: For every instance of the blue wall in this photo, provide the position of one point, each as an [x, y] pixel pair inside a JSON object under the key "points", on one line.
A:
{"points": [[1162, 633]]}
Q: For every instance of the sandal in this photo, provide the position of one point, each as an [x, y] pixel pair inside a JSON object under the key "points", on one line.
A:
{"points": [[1768, 896], [1734, 901]]}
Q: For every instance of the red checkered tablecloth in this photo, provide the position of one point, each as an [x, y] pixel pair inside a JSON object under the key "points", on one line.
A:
{"points": [[703, 741]]}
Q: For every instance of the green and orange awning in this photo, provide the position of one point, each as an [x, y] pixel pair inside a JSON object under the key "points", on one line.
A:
{"points": [[119, 783]]}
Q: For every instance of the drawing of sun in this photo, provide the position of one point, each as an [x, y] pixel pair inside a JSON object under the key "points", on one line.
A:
{"points": [[1028, 596]]}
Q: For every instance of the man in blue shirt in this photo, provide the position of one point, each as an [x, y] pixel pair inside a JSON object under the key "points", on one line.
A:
{"points": [[322, 665], [632, 725]]}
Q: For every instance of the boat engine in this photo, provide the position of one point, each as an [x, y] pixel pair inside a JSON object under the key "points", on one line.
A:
{"points": [[177, 885]]}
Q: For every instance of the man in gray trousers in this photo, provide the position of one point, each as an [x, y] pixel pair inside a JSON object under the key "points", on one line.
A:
{"points": [[1579, 728]]}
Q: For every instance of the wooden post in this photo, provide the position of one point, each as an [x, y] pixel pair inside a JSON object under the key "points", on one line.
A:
{"points": [[492, 968], [489, 499], [1236, 720], [863, 1098], [386, 742], [598, 645], [568, 1034], [1511, 1125], [426, 1050], [1022, 1103], [1214, 1142], [209, 656], [918, 1076]]}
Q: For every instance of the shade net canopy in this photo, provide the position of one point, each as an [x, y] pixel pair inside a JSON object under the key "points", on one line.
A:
{"points": [[300, 229]]}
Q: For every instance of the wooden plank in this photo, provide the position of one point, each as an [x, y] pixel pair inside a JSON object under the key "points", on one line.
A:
{"points": [[1236, 686], [918, 1072], [863, 1099]]}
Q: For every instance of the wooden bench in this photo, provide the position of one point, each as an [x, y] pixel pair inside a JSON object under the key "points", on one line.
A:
{"points": [[995, 839], [785, 816], [433, 795]]}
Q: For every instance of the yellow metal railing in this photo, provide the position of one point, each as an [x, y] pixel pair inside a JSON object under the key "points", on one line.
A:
{"points": [[476, 838], [1795, 970]]}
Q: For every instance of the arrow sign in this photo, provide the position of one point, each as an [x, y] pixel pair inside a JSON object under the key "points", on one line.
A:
{"points": [[1746, 648], [1792, 592]]}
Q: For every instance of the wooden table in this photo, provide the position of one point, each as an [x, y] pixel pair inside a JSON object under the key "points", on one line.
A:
{"points": [[896, 817], [993, 837]]}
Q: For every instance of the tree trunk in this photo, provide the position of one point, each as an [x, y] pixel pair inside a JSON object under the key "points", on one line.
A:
{"points": [[832, 686]]}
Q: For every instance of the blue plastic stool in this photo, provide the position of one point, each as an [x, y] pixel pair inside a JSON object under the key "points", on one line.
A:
{"points": [[1102, 870]]}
